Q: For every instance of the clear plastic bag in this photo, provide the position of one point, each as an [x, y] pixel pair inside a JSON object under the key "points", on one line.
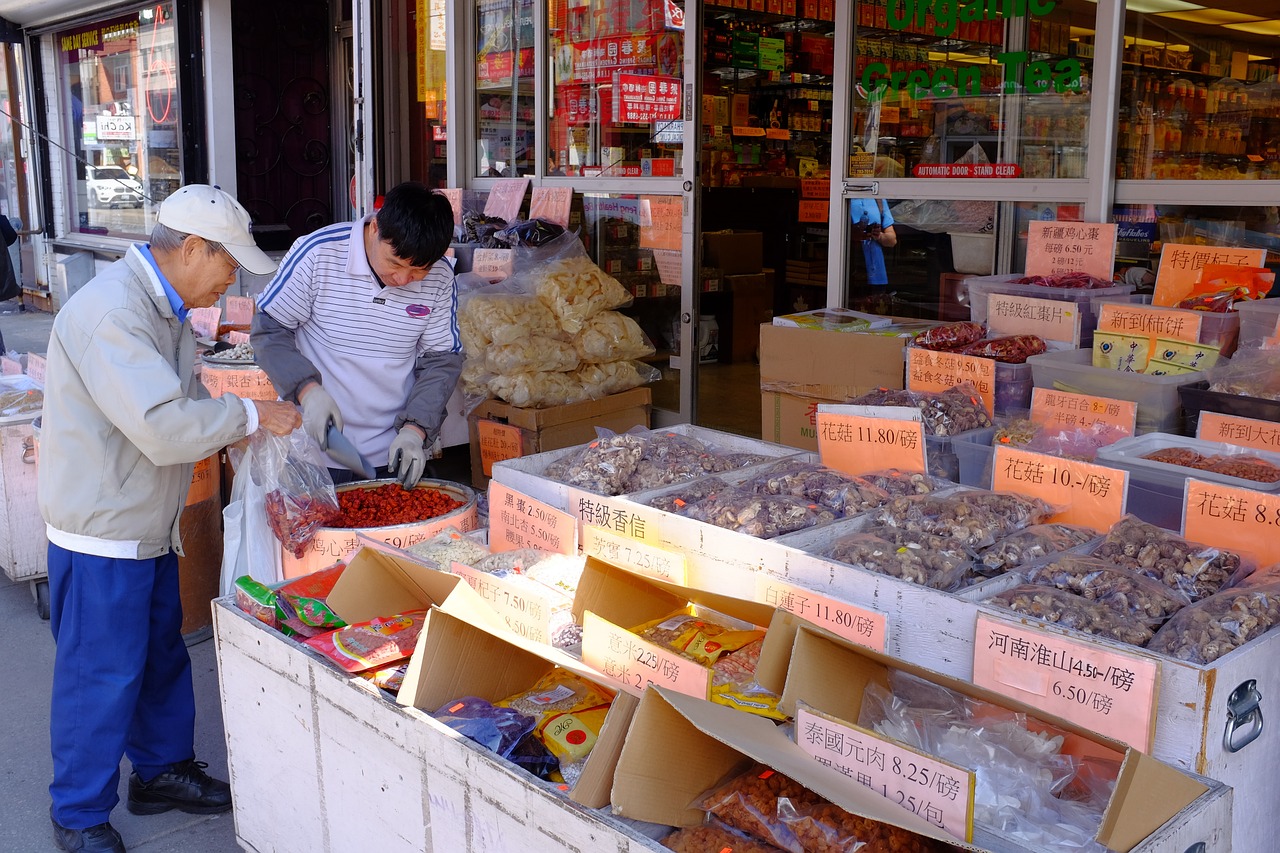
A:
{"points": [[669, 458], [568, 713], [601, 380], [568, 282], [503, 317], [532, 354], [603, 466], [949, 412], [300, 498], [715, 837], [1030, 544], [973, 519], [699, 634], [762, 516], [610, 336], [1097, 580], [902, 483], [950, 336], [1252, 373], [936, 569], [449, 546], [1197, 571], [841, 493], [1219, 624], [374, 644], [537, 389], [1049, 604], [676, 500]]}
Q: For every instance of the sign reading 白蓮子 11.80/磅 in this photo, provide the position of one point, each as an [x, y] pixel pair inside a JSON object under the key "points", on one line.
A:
{"points": [[1061, 74]]}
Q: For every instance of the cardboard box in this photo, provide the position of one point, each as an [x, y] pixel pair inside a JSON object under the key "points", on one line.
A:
{"points": [[750, 305], [553, 427], [733, 252], [456, 658], [801, 367]]}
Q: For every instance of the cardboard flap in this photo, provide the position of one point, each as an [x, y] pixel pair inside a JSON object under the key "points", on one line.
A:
{"points": [[596, 780], [830, 365], [1148, 793], [829, 676], [373, 585], [627, 599]]}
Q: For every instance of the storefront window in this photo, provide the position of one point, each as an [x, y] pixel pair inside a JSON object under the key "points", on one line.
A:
{"points": [[945, 95], [122, 119], [617, 85], [428, 125], [504, 88], [1199, 99]]}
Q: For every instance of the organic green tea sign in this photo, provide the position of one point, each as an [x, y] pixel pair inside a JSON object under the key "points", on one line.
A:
{"points": [[1062, 74]]}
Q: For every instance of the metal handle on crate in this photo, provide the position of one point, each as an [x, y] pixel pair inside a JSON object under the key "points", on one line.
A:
{"points": [[1244, 716], [1198, 847]]}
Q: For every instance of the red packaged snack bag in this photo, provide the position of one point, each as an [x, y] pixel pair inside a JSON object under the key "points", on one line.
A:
{"points": [[951, 336], [374, 644]]}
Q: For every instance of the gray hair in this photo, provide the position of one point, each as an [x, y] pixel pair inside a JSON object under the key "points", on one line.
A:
{"points": [[166, 239]]}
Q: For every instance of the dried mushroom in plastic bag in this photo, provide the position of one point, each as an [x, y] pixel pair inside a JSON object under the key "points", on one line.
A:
{"points": [[974, 519], [1073, 611], [1204, 632], [1097, 580], [840, 493], [1030, 544], [902, 483], [762, 516], [676, 500], [1194, 570], [668, 458], [949, 412], [610, 336], [914, 563], [604, 466]]}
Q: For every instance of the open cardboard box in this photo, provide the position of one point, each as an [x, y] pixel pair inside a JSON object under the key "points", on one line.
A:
{"points": [[830, 675], [455, 658], [610, 601]]}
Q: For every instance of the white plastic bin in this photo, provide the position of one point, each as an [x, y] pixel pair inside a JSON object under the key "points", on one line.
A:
{"points": [[1257, 321], [973, 253], [980, 287]]}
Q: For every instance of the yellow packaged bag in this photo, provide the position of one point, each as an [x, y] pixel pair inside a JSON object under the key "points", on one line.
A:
{"points": [[1128, 353], [699, 637], [1185, 354], [733, 683], [569, 711]]}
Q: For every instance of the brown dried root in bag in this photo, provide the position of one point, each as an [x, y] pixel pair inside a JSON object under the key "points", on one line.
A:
{"points": [[1206, 631], [575, 290], [533, 390], [531, 354], [610, 336], [1194, 570], [1074, 611], [503, 318]]}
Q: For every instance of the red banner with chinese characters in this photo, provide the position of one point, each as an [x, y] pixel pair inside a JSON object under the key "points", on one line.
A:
{"points": [[596, 61], [640, 99], [497, 68], [577, 105]]}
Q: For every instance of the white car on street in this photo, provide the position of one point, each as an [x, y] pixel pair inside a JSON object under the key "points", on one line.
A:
{"points": [[112, 186]]}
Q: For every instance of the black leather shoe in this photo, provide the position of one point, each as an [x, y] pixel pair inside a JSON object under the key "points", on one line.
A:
{"points": [[184, 786], [102, 838]]}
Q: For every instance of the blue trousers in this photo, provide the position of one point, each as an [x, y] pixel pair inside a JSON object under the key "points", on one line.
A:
{"points": [[121, 678]]}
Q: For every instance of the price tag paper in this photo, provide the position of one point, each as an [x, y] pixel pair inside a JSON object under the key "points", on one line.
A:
{"points": [[247, 383], [1051, 319], [1091, 495], [815, 188], [204, 322], [661, 222], [937, 371], [493, 264], [928, 787], [204, 481], [1078, 411], [630, 521], [814, 210], [455, 202], [1245, 432], [1062, 247], [239, 310], [497, 442], [864, 627], [633, 664], [639, 557], [505, 198], [518, 521], [551, 204], [1109, 692], [1241, 520], [858, 443], [1181, 263], [1155, 323], [525, 611]]}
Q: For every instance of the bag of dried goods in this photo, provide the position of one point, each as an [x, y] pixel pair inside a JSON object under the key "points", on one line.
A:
{"points": [[532, 354], [698, 634], [675, 500], [450, 545], [601, 380], [1209, 629], [610, 336], [974, 519], [1252, 373], [715, 837], [537, 389], [575, 289], [373, 644], [901, 483], [841, 493], [949, 412], [568, 712], [257, 600], [1097, 580], [301, 601], [762, 516], [1196, 571], [486, 319], [603, 466], [1013, 349], [1030, 544], [495, 728], [950, 336], [733, 683], [1069, 610], [299, 494], [937, 569]]}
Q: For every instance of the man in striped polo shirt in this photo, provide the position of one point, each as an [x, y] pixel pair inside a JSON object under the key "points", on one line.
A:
{"points": [[360, 327]]}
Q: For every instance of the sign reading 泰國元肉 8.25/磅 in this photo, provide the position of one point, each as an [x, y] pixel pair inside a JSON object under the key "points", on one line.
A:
{"points": [[1061, 74]]}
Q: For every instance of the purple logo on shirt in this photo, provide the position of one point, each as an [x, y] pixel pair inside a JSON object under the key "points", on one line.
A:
{"points": [[416, 310]]}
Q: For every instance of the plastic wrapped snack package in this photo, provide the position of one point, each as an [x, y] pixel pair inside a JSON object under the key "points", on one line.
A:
{"points": [[936, 569], [601, 380], [496, 729], [503, 318], [1021, 773], [841, 493], [950, 336], [299, 494], [533, 354], [973, 519], [575, 290], [535, 390], [603, 466], [610, 336], [715, 837], [698, 634], [733, 683], [371, 645], [450, 545], [1049, 604], [257, 600], [301, 603], [389, 678], [1013, 349], [762, 516], [1031, 544], [1127, 591], [1197, 571], [1209, 629], [568, 712], [1252, 373]]}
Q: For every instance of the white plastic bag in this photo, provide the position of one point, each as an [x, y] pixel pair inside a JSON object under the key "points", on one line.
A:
{"points": [[248, 545]]}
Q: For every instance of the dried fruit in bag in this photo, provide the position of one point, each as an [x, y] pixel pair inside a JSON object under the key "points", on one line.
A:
{"points": [[950, 336], [568, 713], [1013, 349], [302, 601], [373, 644], [715, 837]]}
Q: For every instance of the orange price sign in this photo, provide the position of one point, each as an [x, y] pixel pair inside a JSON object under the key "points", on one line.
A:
{"points": [[815, 188], [1062, 247], [1152, 323], [239, 310], [1079, 411], [551, 204], [661, 222], [814, 210], [505, 198], [860, 439], [639, 557], [1051, 319], [1241, 520], [633, 664], [247, 383], [518, 521], [1110, 692], [1245, 432], [937, 371], [204, 481], [497, 442], [739, 130], [855, 624], [526, 610], [1181, 264], [1091, 495], [204, 321]]}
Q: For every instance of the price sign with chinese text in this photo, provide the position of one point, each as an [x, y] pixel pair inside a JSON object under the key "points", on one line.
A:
{"points": [[1181, 263], [526, 611], [1062, 247], [639, 557], [858, 442], [621, 517], [551, 204], [1112, 693], [1079, 411], [864, 627], [814, 210], [935, 790], [1151, 323], [1051, 319], [505, 198], [1245, 432], [493, 264], [204, 321], [633, 664], [234, 338], [661, 221], [643, 99], [937, 371], [247, 383], [1091, 495], [497, 442], [518, 521], [239, 310], [1241, 520], [204, 483]]}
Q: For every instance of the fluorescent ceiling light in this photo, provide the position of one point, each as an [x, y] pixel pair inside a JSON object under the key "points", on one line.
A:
{"points": [[1141, 42], [1262, 28], [1211, 16], [1154, 7], [1081, 32]]}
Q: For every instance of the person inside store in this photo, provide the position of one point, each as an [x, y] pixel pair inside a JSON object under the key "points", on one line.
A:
{"points": [[360, 327], [873, 224], [125, 420]]}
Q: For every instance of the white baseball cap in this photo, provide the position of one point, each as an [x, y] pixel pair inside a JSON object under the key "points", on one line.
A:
{"points": [[210, 213]]}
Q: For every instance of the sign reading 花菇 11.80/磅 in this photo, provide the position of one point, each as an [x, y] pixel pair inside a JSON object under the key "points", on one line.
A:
{"points": [[1062, 74]]}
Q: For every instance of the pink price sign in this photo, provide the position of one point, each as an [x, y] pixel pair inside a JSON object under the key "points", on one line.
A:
{"points": [[505, 198], [633, 664], [519, 521], [864, 627], [526, 611], [1062, 247], [1112, 693]]}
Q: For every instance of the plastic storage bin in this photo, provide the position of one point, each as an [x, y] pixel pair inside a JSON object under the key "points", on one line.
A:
{"points": [[980, 287], [973, 253], [1220, 330], [1257, 322], [1156, 488], [1159, 406], [1198, 398], [975, 454], [1013, 387]]}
